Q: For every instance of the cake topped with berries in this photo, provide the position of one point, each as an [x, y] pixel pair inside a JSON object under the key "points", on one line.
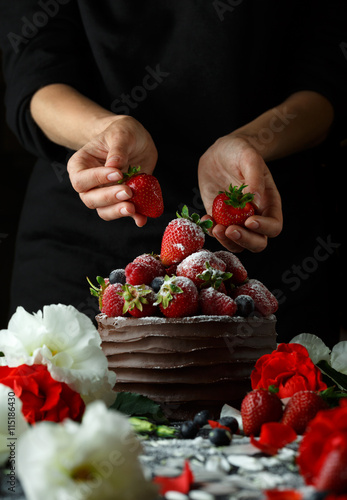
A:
{"points": [[185, 327]]}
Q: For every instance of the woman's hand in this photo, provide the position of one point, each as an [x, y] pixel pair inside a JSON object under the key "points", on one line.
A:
{"points": [[233, 160], [95, 168]]}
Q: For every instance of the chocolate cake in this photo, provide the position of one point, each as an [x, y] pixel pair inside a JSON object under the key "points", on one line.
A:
{"points": [[186, 364]]}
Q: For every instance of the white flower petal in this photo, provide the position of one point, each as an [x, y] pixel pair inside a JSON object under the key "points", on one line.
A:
{"points": [[339, 357], [54, 460], [66, 341], [316, 348], [8, 430]]}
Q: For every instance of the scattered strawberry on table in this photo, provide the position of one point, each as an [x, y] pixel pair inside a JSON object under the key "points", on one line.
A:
{"points": [[259, 407], [233, 206], [186, 279], [147, 196]]}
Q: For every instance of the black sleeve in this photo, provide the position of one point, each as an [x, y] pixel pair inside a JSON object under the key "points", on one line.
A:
{"points": [[42, 43], [319, 58]]}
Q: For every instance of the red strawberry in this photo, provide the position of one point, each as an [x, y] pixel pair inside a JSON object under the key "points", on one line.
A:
{"points": [[143, 270], [213, 302], [234, 266], [110, 297], [195, 264], [177, 297], [302, 408], [139, 300], [332, 475], [264, 301], [257, 408], [233, 206], [147, 196], [183, 236]]}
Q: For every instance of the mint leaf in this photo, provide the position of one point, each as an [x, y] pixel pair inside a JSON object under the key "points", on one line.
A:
{"points": [[133, 404]]}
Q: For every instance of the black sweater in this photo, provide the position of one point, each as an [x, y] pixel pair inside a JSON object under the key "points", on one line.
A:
{"points": [[190, 71]]}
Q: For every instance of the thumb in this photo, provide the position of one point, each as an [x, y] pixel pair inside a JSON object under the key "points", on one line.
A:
{"points": [[118, 154], [255, 180]]}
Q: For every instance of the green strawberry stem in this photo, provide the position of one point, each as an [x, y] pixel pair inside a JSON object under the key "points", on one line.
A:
{"points": [[213, 277], [236, 198], [166, 292], [98, 291], [332, 396], [205, 225], [132, 171], [134, 296]]}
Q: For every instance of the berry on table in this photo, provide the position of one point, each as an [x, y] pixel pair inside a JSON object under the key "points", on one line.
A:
{"points": [[258, 407], [231, 423], [302, 407], [220, 437], [202, 418], [189, 429]]}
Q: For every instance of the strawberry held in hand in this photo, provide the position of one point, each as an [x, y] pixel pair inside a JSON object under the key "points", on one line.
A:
{"points": [[147, 197], [233, 206], [182, 237]]}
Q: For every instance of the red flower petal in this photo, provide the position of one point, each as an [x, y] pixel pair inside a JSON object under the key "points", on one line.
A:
{"points": [[283, 495], [180, 483], [217, 425], [273, 436]]}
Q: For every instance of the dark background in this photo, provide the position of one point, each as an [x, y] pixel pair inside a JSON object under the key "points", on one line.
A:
{"points": [[16, 165]]}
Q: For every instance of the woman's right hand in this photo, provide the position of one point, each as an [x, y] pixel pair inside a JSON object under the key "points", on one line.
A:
{"points": [[95, 168]]}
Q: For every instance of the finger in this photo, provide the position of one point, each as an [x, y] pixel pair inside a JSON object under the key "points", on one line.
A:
{"points": [[119, 210], [86, 173], [246, 239], [106, 196], [268, 226], [219, 233]]}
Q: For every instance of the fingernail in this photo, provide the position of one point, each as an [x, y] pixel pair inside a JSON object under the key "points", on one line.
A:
{"points": [[114, 176], [219, 234], [124, 211], [253, 225], [122, 195], [236, 235]]}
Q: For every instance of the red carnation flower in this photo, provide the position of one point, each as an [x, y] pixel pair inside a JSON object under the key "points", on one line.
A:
{"points": [[43, 397], [288, 368]]}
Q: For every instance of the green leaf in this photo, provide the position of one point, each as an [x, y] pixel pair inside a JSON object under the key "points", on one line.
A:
{"points": [[133, 404], [339, 378]]}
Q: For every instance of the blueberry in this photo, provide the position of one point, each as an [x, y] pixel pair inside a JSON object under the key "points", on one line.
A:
{"points": [[156, 283], [189, 429], [117, 276], [245, 305], [202, 418], [220, 437], [230, 422]]}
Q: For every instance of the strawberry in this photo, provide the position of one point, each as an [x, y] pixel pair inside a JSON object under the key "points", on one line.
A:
{"points": [[332, 475], [139, 300], [194, 266], [143, 270], [233, 266], [183, 236], [110, 297], [265, 303], [258, 407], [177, 297], [302, 408], [233, 206], [213, 302], [147, 196]]}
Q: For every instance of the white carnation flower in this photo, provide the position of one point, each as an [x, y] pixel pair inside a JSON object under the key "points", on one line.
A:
{"points": [[97, 459], [12, 423], [67, 342], [338, 358], [317, 350]]}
